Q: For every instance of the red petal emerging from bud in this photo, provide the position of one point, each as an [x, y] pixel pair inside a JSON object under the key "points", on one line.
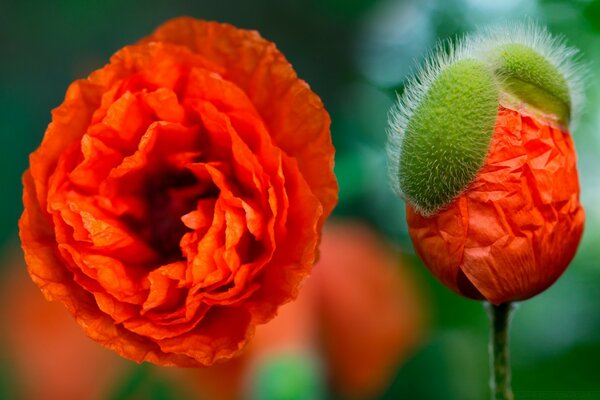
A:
{"points": [[516, 228]]}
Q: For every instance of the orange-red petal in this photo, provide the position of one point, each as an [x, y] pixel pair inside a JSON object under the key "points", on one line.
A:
{"points": [[516, 228]]}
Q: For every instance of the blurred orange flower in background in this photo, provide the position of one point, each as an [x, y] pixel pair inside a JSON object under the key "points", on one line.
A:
{"points": [[50, 358], [515, 230], [178, 195], [359, 316]]}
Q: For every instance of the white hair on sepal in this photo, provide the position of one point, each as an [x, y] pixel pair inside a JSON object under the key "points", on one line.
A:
{"points": [[443, 55], [479, 45], [567, 60]]}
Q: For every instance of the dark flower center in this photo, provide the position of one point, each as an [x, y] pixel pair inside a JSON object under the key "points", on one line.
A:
{"points": [[169, 195]]}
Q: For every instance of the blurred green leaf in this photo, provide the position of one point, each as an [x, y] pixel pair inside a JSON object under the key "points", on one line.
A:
{"points": [[290, 376], [592, 13], [133, 382]]}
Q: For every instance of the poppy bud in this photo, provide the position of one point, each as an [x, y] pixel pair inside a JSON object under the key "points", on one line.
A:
{"points": [[479, 147]]}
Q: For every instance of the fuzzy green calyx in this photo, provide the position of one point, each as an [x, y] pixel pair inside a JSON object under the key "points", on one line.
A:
{"points": [[448, 136], [441, 127], [531, 78]]}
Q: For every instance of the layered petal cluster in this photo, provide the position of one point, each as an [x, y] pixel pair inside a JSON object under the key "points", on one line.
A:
{"points": [[360, 315], [179, 192]]}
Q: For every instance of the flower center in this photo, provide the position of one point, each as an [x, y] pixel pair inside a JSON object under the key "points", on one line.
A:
{"points": [[169, 195]]}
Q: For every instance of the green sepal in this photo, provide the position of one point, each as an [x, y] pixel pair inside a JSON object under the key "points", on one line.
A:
{"points": [[532, 79], [448, 136]]}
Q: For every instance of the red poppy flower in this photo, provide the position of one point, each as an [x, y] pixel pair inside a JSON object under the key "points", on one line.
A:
{"points": [[178, 195]]}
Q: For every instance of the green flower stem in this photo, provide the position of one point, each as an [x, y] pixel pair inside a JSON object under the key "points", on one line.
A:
{"points": [[499, 353]]}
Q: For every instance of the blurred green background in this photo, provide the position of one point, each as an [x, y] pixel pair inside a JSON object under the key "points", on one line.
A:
{"points": [[356, 55]]}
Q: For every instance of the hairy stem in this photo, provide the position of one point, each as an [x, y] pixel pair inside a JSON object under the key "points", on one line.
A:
{"points": [[499, 353]]}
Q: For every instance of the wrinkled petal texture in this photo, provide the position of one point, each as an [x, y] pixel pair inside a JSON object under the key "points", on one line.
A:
{"points": [[514, 231], [178, 196], [361, 313]]}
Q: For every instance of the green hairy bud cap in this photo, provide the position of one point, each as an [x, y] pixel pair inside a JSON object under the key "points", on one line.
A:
{"points": [[531, 78], [441, 128], [448, 136]]}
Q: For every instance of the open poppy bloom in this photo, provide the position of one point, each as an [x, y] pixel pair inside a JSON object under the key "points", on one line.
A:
{"points": [[178, 195], [481, 150]]}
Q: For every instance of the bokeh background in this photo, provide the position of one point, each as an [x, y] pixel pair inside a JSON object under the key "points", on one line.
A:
{"points": [[356, 55]]}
